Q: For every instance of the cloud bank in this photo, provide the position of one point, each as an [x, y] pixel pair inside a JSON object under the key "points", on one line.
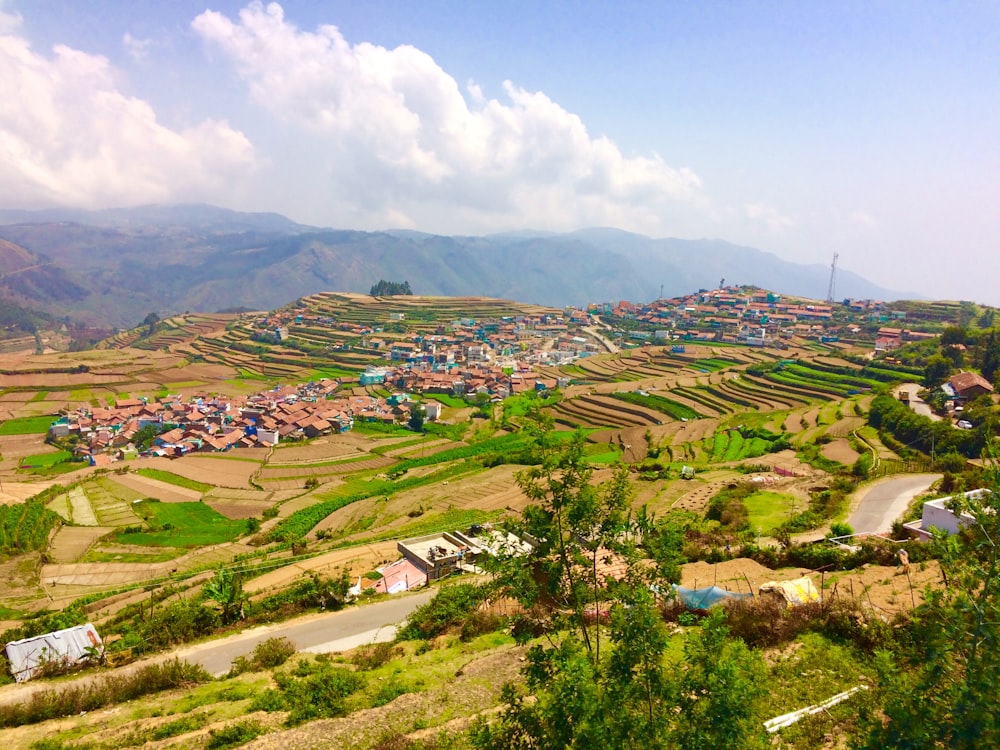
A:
{"points": [[398, 142], [70, 136]]}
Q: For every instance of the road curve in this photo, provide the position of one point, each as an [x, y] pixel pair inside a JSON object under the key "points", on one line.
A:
{"points": [[327, 632], [881, 503]]}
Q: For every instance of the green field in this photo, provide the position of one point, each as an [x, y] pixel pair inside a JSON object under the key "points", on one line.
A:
{"points": [[769, 509], [28, 425], [185, 525], [41, 460]]}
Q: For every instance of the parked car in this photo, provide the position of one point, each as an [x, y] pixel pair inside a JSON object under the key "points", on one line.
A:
{"points": [[964, 424]]}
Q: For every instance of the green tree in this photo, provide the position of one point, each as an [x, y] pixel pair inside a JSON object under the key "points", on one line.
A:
{"points": [[417, 416], [226, 590], [622, 694], [719, 694], [937, 370], [942, 692]]}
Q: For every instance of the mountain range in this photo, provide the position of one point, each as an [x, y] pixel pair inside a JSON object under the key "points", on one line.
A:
{"points": [[112, 267]]}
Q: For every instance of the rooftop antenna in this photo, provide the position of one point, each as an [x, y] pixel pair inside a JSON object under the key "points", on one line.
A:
{"points": [[833, 278]]}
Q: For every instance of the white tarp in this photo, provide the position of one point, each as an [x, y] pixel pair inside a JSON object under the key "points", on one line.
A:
{"points": [[68, 647]]}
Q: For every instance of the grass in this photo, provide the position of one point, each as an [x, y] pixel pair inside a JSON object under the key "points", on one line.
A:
{"points": [[96, 556], [175, 479], [28, 425], [769, 509], [45, 460], [185, 525], [333, 373]]}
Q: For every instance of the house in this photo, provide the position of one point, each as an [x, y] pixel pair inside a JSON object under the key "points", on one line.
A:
{"points": [[969, 385], [943, 515]]}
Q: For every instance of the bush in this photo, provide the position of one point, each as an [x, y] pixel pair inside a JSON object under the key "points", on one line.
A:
{"points": [[267, 654], [319, 694], [450, 608], [374, 655], [235, 734]]}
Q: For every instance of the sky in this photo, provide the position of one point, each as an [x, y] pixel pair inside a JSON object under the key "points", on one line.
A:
{"points": [[867, 129]]}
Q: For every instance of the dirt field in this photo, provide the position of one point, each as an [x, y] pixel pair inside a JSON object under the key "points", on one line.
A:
{"points": [[162, 491], [72, 542], [840, 450], [222, 472]]}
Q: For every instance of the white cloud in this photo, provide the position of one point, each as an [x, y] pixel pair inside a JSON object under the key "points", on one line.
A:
{"points": [[69, 136], [137, 49], [399, 140], [769, 217]]}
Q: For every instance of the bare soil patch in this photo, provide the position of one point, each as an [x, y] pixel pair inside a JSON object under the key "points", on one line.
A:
{"points": [[162, 491], [223, 472], [734, 574], [70, 543], [840, 450]]}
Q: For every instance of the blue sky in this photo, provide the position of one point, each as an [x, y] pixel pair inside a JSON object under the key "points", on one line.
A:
{"points": [[869, 129]]}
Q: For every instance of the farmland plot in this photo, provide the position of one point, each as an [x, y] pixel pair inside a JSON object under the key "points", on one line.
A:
{"points": [[167, 493], [220, 471], [318, 450], [840, 450], [71, 543]]}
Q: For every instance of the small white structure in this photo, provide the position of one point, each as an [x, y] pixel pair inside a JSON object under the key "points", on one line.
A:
{"points": [[63, 647], [937, 515]]}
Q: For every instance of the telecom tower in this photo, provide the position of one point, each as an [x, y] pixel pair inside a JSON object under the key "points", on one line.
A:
{"points": [[833, 278]]}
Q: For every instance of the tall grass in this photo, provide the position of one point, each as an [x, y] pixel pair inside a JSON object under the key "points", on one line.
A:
{"points": [[55, 703]]}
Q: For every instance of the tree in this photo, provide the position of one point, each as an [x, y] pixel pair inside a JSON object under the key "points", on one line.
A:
{"points": [[622, 694], [937, 370], [226, 590], [417, 416], [942, 692]]}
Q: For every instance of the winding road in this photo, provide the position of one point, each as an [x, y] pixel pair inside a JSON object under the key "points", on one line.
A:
{"points": [[881, 503]]}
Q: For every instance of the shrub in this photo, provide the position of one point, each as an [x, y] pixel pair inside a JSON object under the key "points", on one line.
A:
{"points": [[267, 654], [374, 655], [320, 694], [235, 734], [450, 608]]}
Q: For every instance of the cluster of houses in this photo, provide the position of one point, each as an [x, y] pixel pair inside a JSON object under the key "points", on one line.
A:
{"points": [[757, 317], [545, 338], [308, 410], [217, 423]]}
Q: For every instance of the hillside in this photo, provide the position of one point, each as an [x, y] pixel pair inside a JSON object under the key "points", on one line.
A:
{"points": [[110, 268], [730, 464]]}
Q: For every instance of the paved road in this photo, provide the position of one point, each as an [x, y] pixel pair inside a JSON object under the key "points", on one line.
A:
{"points": [[886, 500], [333, 631], [917, 405]]}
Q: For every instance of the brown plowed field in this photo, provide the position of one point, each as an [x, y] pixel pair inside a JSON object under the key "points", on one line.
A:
{"points": [[344, 467], [695, 430], [70, 543], [223, 472], [840, 450], [162, 491]]}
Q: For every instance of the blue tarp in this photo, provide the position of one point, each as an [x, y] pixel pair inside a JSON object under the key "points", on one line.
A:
{"points": [[705, 598]]}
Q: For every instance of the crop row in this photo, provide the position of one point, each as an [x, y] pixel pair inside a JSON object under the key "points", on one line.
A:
{"points": [[26, 527]]}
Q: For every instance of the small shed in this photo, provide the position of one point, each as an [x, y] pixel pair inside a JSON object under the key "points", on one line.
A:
{"points": [[66, 647]]}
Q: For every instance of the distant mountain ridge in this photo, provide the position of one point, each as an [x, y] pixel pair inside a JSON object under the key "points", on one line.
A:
{"points": [[111, 267]]}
